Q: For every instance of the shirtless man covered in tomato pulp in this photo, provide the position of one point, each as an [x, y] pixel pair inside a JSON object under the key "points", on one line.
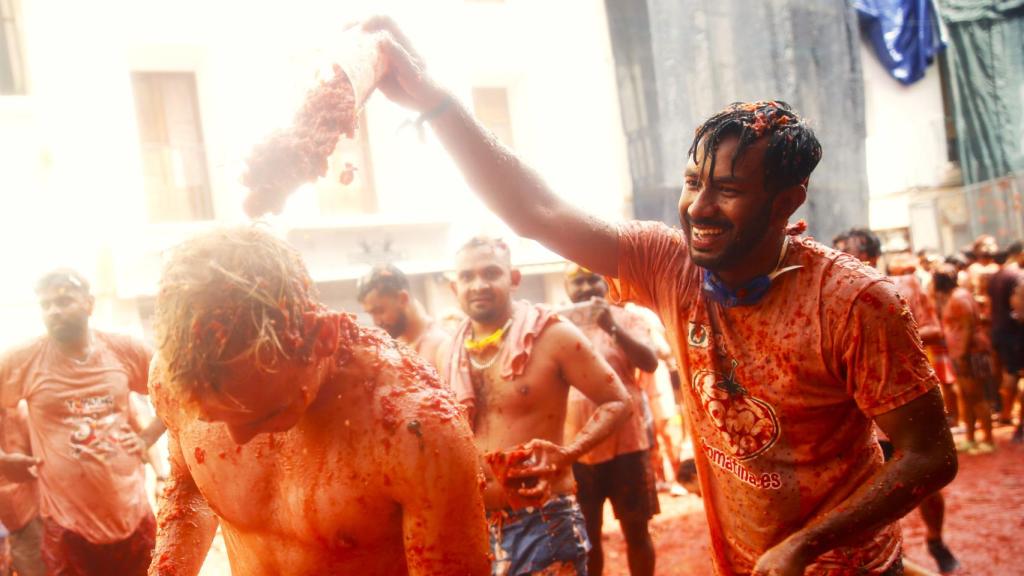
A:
{"points": [[315, 443], [512, 364]]}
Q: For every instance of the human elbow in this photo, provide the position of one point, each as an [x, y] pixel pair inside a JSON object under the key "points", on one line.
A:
{"points": [[937, 468], [649, 363], [621, 408]]}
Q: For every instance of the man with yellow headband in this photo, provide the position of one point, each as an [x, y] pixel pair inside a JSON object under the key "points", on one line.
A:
{"points": [[512, 364], [619, 468]]}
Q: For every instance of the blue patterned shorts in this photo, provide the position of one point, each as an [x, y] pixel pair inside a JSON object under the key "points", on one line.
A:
{"points": [[552, 537]]}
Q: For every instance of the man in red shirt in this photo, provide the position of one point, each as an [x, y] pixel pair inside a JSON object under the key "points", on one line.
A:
{"points": [[619, 468], [76, 382], [790, 352]]}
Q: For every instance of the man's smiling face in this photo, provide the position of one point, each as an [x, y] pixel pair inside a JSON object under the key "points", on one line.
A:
{"points": [[727, 215]]}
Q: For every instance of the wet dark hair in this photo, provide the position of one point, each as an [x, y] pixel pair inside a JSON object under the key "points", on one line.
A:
{"points": [[944, 278], [957, 260], [387, 279], [687, 471], [867, 241], [793, 150], [495, 244], [838, 239], [62, 277]]}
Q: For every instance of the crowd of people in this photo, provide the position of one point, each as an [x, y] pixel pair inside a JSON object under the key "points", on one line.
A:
{"points": [[317, 445], [969, 308]]}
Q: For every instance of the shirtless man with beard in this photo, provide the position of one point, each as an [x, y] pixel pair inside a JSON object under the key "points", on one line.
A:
{"points": [[384, 295], [315, 443], [512, 364]]}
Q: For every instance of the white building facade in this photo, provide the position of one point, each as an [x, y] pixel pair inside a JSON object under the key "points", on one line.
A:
{"points": [[133, 120]]}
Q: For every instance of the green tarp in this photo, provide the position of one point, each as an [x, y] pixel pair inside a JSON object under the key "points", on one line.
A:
{"points": [[986, 52]]}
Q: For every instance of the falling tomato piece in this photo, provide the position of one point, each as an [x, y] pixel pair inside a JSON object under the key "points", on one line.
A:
{"points": [[348, 174]]}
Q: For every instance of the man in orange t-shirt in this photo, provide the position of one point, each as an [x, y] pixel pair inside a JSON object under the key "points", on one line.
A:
{"points": [[789, 351], [19, 495], [76, 382], [619, 468]]}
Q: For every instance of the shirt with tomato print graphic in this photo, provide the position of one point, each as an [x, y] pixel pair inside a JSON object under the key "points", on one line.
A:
{"points": [[780, 395]]}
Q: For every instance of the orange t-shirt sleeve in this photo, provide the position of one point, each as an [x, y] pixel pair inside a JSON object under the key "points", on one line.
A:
{"points": [[646, 251], [884, 363]]}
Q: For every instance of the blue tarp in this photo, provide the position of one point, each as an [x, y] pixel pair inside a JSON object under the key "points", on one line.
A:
{"points": [[905, 34]]}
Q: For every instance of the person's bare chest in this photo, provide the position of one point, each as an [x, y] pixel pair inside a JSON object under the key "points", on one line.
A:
{"points": [[533, 403], [317, 492]]}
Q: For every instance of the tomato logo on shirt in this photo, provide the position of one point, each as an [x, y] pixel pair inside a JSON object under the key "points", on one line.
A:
{"points": [[748, 425], [697, 335], [93, 422]]}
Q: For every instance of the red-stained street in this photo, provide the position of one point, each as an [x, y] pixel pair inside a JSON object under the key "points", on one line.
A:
{"points": [[984, 522]]}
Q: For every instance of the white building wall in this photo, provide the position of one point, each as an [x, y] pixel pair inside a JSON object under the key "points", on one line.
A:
{"points": [[72, 183], [906, 139]]}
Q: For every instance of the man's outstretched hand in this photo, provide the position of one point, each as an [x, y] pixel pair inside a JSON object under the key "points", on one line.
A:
{"points": [[784, 559], [406, 82], [547, 459], [18, 467]]}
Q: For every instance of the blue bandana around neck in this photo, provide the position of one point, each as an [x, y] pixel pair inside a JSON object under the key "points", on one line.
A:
{"points": [[752, 292], [747, 295]]}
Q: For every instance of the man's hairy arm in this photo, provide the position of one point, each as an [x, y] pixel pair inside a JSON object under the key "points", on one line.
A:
{"points": [[582, 368], [517, 194], [438, 488], [510, 188], [185, 523], [924, 461]]}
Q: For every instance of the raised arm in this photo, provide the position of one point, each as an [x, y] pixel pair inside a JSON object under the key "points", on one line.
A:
{"points": [[438, 488], [510, 188], [185, 523]]}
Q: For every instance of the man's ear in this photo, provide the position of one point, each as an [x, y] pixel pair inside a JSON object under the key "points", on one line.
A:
{"points": [[516, 276], [403, 298], [327, 334], [787, 201], [90, 303]]}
